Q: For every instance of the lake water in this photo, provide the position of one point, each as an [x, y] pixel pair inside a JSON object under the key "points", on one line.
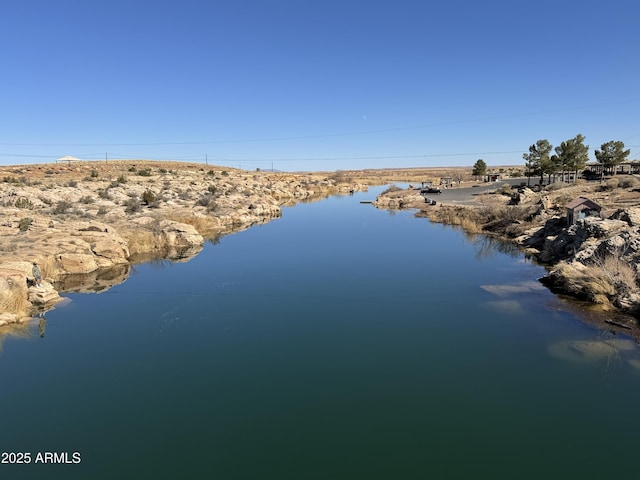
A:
{"points": [[338, 341]]}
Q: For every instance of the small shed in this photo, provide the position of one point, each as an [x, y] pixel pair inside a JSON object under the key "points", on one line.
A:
{"points": [[581, 207]]}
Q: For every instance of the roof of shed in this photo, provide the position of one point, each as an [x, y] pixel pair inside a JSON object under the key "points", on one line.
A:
{"points": [[583, 201]]}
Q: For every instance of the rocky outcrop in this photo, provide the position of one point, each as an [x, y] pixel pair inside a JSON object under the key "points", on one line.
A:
{"points": [[595, 259], [101, 217], [399, 199], [175, 234]]}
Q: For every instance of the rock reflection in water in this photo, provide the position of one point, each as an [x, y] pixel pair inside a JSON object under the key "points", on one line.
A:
{"points": [[488, 247], [20, 330], [585, 352], [93, 282], [172, 254], [512, 289]]}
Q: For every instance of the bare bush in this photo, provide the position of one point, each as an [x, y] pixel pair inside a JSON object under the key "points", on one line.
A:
{"points": [[628, 182], [391, 188], [62, 207]]}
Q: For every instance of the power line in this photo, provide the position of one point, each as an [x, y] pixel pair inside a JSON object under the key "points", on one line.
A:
{"points": [[323, 135]]}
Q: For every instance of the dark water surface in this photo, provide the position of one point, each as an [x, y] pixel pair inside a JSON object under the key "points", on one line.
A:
{"points": [[339, 341]]}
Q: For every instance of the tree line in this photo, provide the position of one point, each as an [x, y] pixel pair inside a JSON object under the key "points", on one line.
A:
{"points": [[571, 156]]}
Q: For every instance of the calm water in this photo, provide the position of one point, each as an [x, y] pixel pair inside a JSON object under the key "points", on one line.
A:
{"points": [[339, 341]]}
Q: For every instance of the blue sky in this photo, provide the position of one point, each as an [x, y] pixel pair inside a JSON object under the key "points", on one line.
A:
{"points": [[315, 85]]}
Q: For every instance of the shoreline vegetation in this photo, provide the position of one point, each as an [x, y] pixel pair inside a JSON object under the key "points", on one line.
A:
{"points": [[594, 260], [86, 223]]}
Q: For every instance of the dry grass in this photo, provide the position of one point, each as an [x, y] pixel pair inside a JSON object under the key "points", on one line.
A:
{"points": [[47, 267], [141, 241], [495, 218], [600, 282], [469, 219], [204, 225], [14, 300]]}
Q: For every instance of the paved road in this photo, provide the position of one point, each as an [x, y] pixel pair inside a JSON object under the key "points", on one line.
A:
{"points": [[468, 194]]}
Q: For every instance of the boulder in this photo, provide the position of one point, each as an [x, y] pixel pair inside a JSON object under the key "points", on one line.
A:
{"points": [[175, 234], [76, 263], [43, 295], [631, 216], [110, 251]]}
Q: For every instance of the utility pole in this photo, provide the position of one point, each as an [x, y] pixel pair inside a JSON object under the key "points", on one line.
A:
{"points": [[206, 159], [105, 157]]}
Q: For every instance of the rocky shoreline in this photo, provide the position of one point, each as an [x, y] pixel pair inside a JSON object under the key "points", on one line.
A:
{"points": [[86, 223], [595, 259]]}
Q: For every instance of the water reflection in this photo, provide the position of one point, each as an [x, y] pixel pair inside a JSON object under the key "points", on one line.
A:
{"points": [[42, 325], [606, 351], [93, 282], [19, 330], [488, 247]]}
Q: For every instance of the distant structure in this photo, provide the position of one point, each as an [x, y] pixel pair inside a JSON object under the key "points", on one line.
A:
{"points": [[580, 208], [596, 169], [68, 159]]}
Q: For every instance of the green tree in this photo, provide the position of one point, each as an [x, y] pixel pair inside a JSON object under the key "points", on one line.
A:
{"points": [[538, 161], [479, 168], [611, 154], [572, 155]]}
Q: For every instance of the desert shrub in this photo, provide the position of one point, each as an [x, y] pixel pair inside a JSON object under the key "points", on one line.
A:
{"points": [[122, 179], [212, 206], [211, 172], [102, 210], [163, 170], [71, 183], [628, 182], [609, 185], [87, 199], [204, 200], [132, 205], [391, 188], [212, 189], [24, 224], [132, 169], [46, 201], [94, 174], [61, 207], [504, 189], [560, 202], [225, 173], [148, 197], [145, 172], [23, 202], [556, 186], [104, 193]]}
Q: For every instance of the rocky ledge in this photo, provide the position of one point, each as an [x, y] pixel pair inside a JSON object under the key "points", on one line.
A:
{"points": [[86, 223]]}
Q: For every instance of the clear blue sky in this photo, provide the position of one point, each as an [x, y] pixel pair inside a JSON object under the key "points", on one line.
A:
{"points": [[315, 85]]}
